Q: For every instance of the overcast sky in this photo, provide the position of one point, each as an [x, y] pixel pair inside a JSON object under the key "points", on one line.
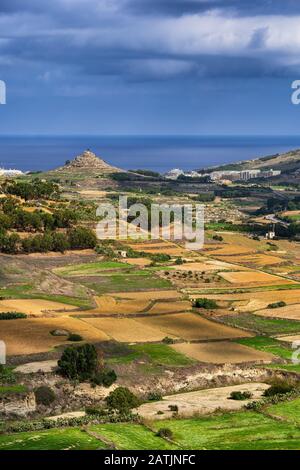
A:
{"points": [[149, 66]]}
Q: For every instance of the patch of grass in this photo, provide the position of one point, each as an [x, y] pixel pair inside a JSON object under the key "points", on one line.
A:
{"points": [[127, 282], [233, 431], [54, 439], [10, 389], [287, 367], [289, 410], [158, 354], [268, 345], [262, 325], [132, 436]]}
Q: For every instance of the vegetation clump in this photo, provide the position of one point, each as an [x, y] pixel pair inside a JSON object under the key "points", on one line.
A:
{"points": [[83, 364], [280, 387], [205, 303], [12, 315], [122, 400], [44, 395], [240, 396], [277, 304], [75, 337], [165, 433], [154, 396]]}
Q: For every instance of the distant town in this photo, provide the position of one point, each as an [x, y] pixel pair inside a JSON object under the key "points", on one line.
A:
{"points": [[244, 175]]}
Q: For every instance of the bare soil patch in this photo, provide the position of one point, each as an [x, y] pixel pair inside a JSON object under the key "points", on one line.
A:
{"points": [[202, 402]]}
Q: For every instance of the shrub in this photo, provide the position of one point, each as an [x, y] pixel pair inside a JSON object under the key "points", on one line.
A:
{"points": [[80, 362], [279, 387], [168, 340], [173, 408], [74, 337], [12, 316], [7, 375], [205, 303], [240, 395], [105, 377], [277, 304], [179, 261], [155, 396], [165, 433], [122, 400], [44, 395]]}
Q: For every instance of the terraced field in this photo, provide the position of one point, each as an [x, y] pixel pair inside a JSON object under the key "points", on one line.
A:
{"points": [[222, 352]]}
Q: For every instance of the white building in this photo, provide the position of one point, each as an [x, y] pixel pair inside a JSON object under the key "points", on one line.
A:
{"points": [[4, 172]]}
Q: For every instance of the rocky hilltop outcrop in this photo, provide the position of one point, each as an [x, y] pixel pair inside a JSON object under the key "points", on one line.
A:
{"points": [[90, 162]]}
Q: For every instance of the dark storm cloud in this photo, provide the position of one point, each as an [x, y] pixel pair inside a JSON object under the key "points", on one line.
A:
{"points": [[244, 7], [150, 39]]}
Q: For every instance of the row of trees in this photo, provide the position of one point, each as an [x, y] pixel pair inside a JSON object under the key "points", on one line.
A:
{"points": [[75, 239], [14, 217], [30, 190]]}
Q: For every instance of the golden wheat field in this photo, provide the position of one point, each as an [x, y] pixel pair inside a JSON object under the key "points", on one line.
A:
{"points": [[191, 327], [290, 312], [34, 306], [126, 329], [258, 260], [32, 335], [254, 277], [169, 307], [222, 352], [252, 301], [222, 250], [149, 295]]}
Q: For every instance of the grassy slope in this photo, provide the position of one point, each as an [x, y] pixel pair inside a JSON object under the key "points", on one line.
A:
{"points": [[54, 439], [268, 345], [289, 410], [132, 436], [233, 431]]}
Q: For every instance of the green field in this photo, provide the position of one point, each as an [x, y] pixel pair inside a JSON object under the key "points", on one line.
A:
{"points": [[268, 345], [289, 410], [262, 325], [127, 282], [132, 436], [10, 389], [244, 430], [234, 431], [158, 354], [53, 439]]}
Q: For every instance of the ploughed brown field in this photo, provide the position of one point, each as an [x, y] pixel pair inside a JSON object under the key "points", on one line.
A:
{"points": [[222, 352], [191, 327]]}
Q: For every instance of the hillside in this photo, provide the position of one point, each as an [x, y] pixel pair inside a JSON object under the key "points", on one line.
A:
{"points": [[88, 161], [287, 162]]}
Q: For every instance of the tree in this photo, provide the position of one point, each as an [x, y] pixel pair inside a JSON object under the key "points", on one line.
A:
{"points": [[79, 363], [60, 242], [122, 400], [82, 238]]}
